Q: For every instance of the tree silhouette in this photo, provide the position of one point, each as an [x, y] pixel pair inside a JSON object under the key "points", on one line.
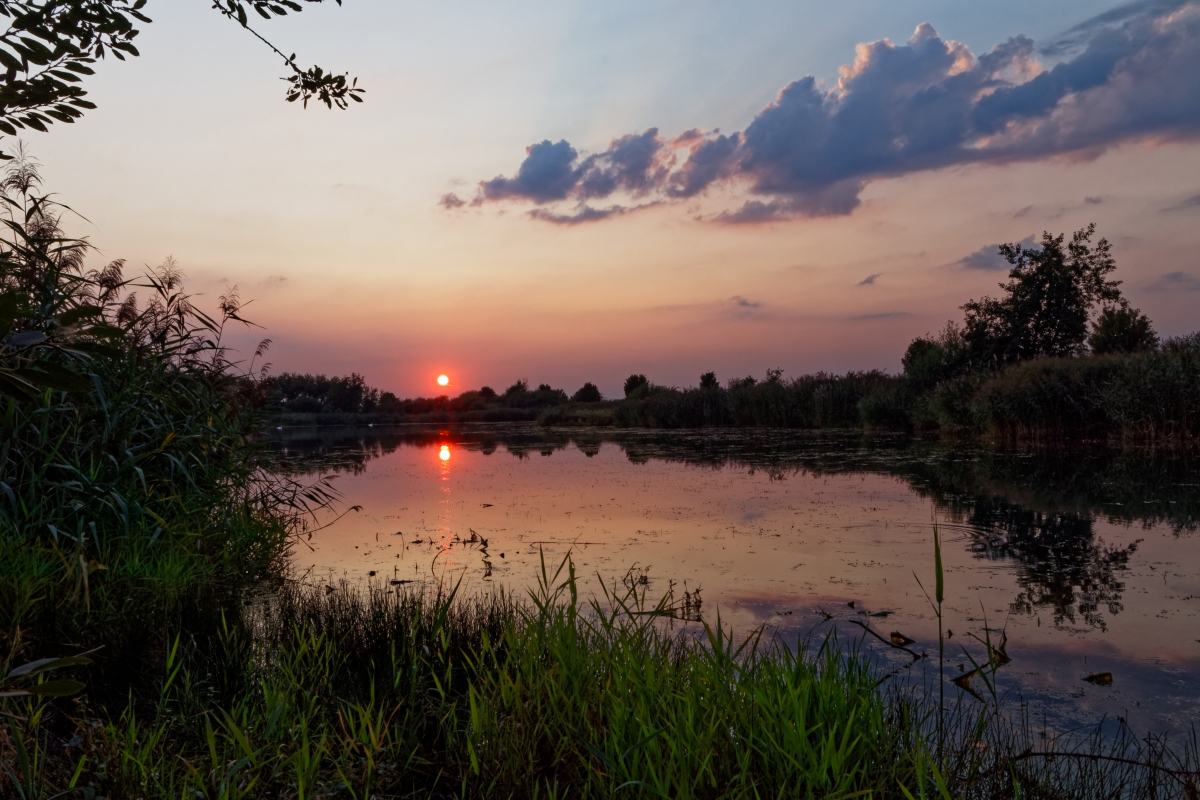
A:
{"points": [[50, 46]]}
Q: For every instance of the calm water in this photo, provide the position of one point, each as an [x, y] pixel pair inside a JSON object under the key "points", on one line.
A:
{"points": [[1088, 561]]}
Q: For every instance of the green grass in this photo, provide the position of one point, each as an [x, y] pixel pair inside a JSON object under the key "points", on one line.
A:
{"points": [[323, 694], [332, 691]]}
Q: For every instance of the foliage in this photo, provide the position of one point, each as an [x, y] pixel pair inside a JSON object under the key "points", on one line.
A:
{"points": [[1122, 330], [313, 393], [125, 503], [709, 381], [50, 47], [1050, 295], [329, 692], [588, 393], [636, 385], [325, 690]]}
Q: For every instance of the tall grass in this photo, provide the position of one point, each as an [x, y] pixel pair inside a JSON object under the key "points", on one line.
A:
{"points": [[138, 500], [324, 693], [328, 691]]}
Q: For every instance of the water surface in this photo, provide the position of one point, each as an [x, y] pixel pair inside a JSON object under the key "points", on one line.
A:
{"points": [[1084, 561]]}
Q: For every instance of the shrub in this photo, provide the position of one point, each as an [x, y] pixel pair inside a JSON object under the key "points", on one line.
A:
{"points": [[588, 393]]}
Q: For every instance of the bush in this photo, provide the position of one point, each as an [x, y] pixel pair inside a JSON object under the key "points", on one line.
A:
{"points": [[588, 393]]}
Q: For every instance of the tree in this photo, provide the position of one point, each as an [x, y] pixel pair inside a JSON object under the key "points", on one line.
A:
{"points": [[709, 381], [1122, 330], [1051, 293], [588, 393], [634, 383], [50, 46]]}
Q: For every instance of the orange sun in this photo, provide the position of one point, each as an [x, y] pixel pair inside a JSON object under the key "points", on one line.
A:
{"points": [[443, 380], [444, 453]]}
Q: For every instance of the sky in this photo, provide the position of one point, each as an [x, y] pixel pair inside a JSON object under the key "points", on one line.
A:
{"points": [[569, 192]]}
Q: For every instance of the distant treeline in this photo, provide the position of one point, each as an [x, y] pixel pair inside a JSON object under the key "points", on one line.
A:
{"points": [[317, 399], [1059, 353]]}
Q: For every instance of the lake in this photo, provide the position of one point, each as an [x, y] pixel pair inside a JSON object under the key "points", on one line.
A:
{"points": [[1082, 561]]}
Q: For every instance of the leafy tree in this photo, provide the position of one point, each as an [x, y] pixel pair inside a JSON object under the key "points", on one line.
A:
{"points": [[741, 383], [487, 393], [588, 393], [930, 360], [634, 383], [1122, 330], [709, 381], [1050, 295], [520, 387], [50, 46]]}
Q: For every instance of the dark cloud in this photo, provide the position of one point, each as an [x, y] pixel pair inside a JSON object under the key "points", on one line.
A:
{"points": [[1191, 202], [929, 103], [881, 315], [989, 257], [451, 200], [582, 214], [869, 280], [742, 302], [547, 173], [1177, 282], [1093, 201]]}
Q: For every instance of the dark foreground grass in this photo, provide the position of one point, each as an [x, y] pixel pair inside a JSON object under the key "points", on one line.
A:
{"points": [[320, 691]]}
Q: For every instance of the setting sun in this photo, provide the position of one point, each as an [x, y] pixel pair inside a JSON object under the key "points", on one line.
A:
{"points": [[444, 453], [443, 380]]}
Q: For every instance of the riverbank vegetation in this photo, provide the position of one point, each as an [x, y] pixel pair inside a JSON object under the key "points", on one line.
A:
{"points": [[1060, 354], [336, 691]]}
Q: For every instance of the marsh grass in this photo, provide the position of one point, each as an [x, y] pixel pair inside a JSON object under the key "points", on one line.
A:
{"points": [[341, 691]]}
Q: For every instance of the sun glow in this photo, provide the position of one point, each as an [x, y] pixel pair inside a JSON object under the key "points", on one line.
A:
{"points": [[444, 453], [443, 380]]}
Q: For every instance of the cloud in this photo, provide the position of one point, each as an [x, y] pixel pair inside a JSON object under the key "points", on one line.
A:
{"points": [[1130, 73], [881, 315], [869, 280], [989, 257], [451, 200], [1183, 205], [1176, 282], [583, 214], [742, 302], [1093, 201]]}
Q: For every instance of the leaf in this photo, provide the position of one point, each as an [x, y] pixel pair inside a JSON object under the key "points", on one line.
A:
{"points": [[1100, 678], [73, 315], [52, 376], [900, 640], [13, 386], [58, 688], [41, 665], [25, 339], [939, 585]]}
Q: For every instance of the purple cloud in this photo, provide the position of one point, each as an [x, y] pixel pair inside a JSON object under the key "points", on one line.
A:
{"points": [[989, 257], [1132, 72]]}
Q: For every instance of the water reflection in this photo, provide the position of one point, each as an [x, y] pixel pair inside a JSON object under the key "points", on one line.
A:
{"points": [[1085, 559], [1034, 509]]}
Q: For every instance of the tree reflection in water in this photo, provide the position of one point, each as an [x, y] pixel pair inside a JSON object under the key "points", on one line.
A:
{"points": [[1035, 508], [1060, 563]]}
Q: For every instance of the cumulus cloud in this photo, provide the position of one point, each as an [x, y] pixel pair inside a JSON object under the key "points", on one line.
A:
{"points": [[1177, 282], [1131, 72], [742, 302], [989, 257], [1183, 205]]}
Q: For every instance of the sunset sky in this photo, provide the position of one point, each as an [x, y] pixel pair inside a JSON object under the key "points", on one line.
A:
{"points": [[568, 191]]}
